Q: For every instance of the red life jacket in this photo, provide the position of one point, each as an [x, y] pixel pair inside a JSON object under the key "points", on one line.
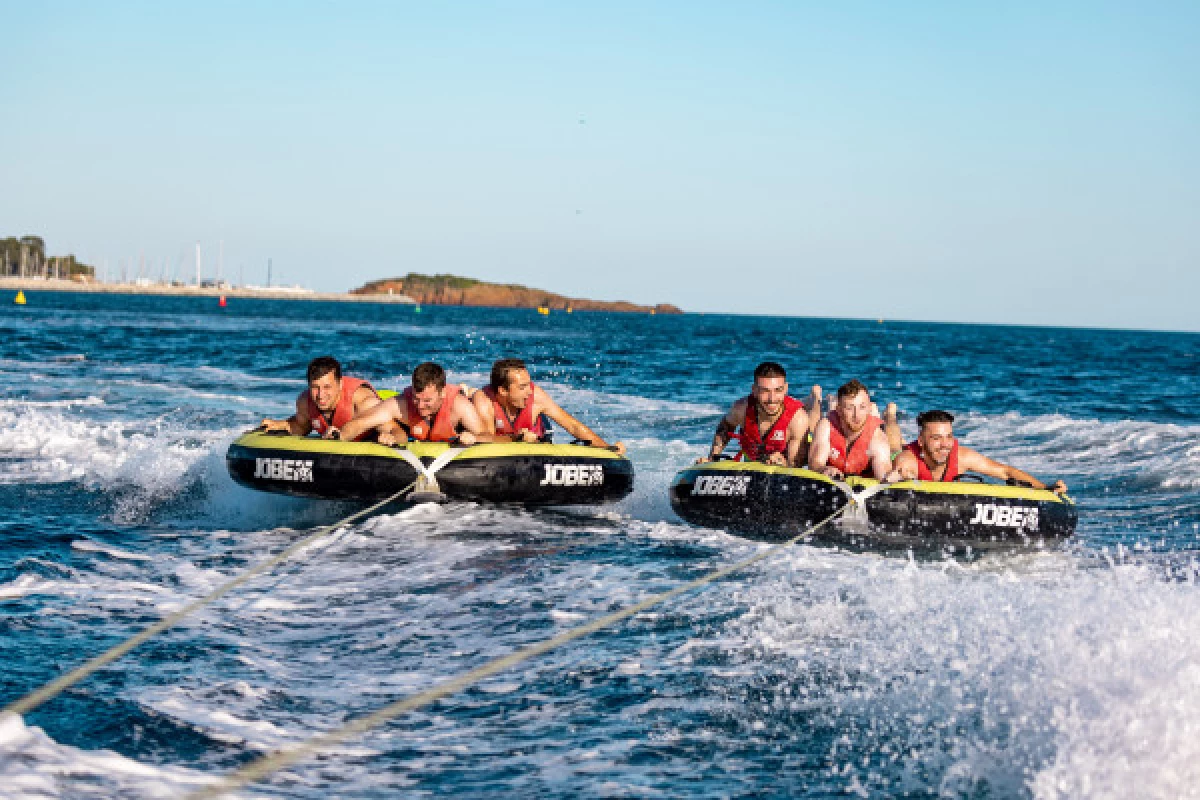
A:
{"points": [[923, 471], [343, 412], [524, 420], [855, 462], [754, 448], [441, 430]]}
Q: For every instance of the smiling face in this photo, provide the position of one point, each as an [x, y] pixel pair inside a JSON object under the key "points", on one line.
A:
{"points": [[769, 393], [429, 400], [325, 391], [854, 410], [519, 389], [937, 439]]}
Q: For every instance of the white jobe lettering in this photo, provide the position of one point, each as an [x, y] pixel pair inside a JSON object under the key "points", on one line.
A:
{"points": [[721, 485], [573, 475], [283, 469], [1025, 517]]}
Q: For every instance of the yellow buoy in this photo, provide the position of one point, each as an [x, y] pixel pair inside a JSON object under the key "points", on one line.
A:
{"points": [[570, 310], [20, 298]]}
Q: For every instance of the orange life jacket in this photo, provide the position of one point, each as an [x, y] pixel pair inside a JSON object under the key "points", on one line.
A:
{"points": [[854, 462], [440, 430], [343, 412], [524, 420], [754, 446], [923, 471]]}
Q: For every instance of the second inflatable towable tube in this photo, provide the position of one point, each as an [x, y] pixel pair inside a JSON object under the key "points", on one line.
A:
{"points": [[532, 474], [771, 503]]}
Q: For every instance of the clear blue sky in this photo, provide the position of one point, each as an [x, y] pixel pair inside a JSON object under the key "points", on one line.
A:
{"points": [[1001, 162]]}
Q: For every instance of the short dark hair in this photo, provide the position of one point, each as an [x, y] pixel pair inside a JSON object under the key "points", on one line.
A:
{"points": [[852, 388], [426, 374], [770, 369], [934, 415], [322, 365], [501, 370]]}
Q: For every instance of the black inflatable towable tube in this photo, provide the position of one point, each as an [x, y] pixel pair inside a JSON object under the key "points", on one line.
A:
{"points": [[532, 474], [763, 502]]}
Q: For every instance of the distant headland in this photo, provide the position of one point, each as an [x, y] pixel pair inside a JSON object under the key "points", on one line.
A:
{"points": [[452, 290]]}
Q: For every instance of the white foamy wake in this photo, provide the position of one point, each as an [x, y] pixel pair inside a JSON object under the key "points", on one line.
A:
{"points": [[70, 402], [1030, 675], [1151, 454], [35, 766], [39, 445]]}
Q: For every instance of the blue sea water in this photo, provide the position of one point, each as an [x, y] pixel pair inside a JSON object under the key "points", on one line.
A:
{"points": [[816, 673]]}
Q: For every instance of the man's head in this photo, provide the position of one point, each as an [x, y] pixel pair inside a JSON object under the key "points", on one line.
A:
{"points": [[937, 434], [325, 382], [853, 405], [770, 387], [429, 386], [510, 378]]}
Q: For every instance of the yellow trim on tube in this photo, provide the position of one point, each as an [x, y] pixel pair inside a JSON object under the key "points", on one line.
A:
{"points": [[925, 487], [311, 444]]}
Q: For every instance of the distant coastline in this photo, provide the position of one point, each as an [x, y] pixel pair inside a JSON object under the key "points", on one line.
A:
{"points": [[177, 290], [454, 290]]}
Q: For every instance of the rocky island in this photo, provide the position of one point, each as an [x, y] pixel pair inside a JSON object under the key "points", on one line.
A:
{"points": [[452, 290]]}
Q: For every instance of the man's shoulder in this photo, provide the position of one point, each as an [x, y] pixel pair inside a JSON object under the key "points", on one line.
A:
{"points": [[967, 454]]}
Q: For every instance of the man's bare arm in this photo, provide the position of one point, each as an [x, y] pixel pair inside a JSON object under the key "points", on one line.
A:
{"points": [[797, 445], [818, 452], [468, 418], [904, 468], [378, 416], [812, 406], [485, 410], [365, 398], [298, 424], [974, 461], [544, 403], [728, 425], [881, 455]]}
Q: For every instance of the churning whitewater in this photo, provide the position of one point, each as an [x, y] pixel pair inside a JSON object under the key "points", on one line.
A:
{"points": [[816, 672]]}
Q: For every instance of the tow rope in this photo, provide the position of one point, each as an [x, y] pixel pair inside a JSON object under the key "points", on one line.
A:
{"points": [[64, 682], [273, 762]]}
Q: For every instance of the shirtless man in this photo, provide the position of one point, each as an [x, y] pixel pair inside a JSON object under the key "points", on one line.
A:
{"points": [[851, 440], [329, 403], [428, 411], [937, 456], [774, 426], [512, 408]]}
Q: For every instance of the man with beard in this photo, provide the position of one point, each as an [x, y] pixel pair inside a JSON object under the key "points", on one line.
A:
{"points": [[937, 456], [514, 409], [428, 411], [851, 440], [774, 426], [329, 403]]}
